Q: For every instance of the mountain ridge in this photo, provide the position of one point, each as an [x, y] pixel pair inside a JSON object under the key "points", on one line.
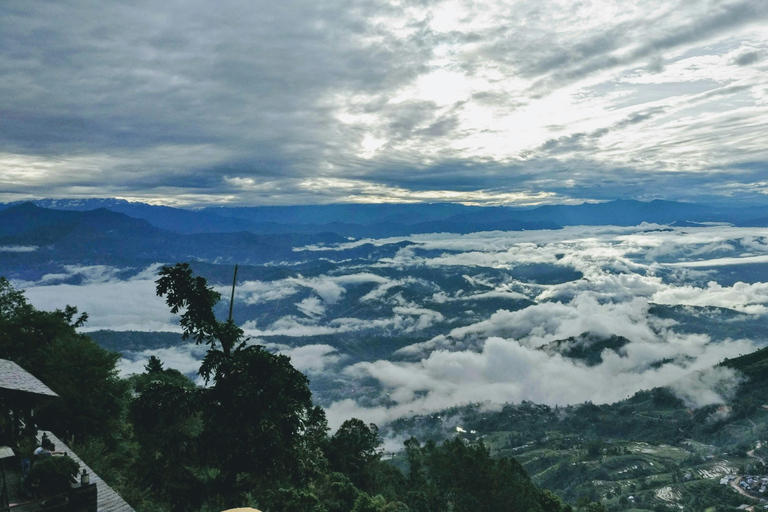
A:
{"points": [[376, 220]]}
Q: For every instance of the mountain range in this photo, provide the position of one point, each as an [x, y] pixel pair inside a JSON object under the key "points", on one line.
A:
{"points": [[382, 220]]}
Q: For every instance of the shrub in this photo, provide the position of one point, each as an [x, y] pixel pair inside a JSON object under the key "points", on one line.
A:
{"points": [[52, 475]]}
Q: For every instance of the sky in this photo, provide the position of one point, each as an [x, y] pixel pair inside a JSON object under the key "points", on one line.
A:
{"points": [[515, 102]]}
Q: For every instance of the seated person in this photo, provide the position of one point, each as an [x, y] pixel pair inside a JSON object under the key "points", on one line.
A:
{"points": [[46, 449]]}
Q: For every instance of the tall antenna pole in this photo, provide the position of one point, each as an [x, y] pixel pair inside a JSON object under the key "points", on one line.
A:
{"points": [[232, 298]]}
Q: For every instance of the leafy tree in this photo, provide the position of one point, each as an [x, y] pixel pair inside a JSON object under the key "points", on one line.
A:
{"points": [[184, 291], [92, 397], [167, 426], [337, 493], [465, 478], [12, 302], [154, 365], [366, 503], [257, 417], [353, 449]]}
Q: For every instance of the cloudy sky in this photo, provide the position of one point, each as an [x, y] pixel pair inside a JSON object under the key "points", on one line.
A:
{"points": [[300, 101]]}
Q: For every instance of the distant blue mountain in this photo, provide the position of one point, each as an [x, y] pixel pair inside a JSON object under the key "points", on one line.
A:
{"points": [[383, 220], [164, 217], [102, 236], [361, 214], [631, 213], [353, 220], [755, 223], [417, 218]]}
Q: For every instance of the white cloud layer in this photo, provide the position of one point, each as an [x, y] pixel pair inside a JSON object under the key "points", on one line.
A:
{"points": [[111, 303], [507, 366], [18, 248], [616, 277], [185, 358]]}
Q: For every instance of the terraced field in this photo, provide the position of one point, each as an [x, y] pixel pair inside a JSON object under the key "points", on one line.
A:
{"points": [[623, 474]]}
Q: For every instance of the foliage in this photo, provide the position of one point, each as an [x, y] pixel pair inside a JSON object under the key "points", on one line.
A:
{"points": [[701, 494], [465, 478], [252, 436], [337, 492], [91, 396], [52, 475], [255, 414], [184, 291], [353, 449], [257, 421]]}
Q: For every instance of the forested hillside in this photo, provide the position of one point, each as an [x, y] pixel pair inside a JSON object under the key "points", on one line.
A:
{"points": [[251, 437], [653, 447]]}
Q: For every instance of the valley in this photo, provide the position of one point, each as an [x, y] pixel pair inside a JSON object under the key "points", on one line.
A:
{"points": [[620, 364]]}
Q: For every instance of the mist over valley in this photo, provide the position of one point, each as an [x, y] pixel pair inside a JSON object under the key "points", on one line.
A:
{"points": [[388, 328]]}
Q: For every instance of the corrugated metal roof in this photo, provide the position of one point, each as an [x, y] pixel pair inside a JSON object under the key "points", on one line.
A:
{"points": [[13, 376], [107, 499]]}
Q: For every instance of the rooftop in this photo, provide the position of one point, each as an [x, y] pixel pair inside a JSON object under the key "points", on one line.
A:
{"points": [[16, 378]]}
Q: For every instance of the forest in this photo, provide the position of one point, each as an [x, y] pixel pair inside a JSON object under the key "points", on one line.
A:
{"points": [[250, 437]]}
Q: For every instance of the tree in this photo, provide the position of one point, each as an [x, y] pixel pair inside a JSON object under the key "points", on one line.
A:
{"points": [[258, 418], [12, 302], [167, 425], [45, 343], [256, 413], [465, 478], [154, 365], [353, 448], [183, 291]]}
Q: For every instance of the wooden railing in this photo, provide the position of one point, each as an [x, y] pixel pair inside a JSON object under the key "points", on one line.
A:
{"points": [[82, 498]]}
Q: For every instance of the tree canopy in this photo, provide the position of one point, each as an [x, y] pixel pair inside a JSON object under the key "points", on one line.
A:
{"points": [[250, 437], [83, 374]]}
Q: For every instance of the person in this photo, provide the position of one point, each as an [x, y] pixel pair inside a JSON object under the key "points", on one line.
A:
{"points": [[46, 449]]}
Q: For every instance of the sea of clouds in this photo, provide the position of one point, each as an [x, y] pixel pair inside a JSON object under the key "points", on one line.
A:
{"points": [[463, 347]]}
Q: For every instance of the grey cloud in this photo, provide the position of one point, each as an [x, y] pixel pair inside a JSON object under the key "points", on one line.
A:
{"points": [[712, 22], [747, 58], [198, 103], [141, 77], [725, 91], [550, 54]]}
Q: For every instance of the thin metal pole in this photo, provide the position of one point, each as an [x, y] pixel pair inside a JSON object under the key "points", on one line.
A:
{"points": [[232, 298]]}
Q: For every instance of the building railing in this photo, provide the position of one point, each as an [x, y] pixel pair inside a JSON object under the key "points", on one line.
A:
{"points": [[82, 498]]}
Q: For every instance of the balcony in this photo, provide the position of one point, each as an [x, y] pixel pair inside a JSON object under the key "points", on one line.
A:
{"points": [[91, 497]]}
